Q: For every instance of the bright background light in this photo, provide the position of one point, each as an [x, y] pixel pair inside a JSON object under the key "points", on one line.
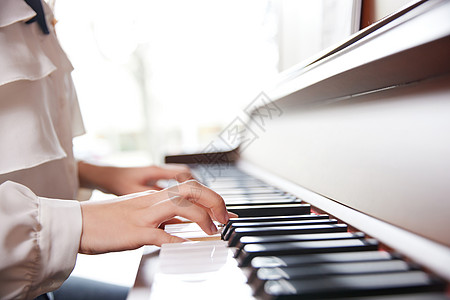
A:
{"points": [[158, 77], [163, 77]]}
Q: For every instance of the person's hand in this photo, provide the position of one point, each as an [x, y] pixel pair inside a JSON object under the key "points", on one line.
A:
{"points": [[123, 181], [125, 224]]}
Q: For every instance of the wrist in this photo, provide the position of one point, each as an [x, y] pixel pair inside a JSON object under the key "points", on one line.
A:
{"points": [[92, 176]]}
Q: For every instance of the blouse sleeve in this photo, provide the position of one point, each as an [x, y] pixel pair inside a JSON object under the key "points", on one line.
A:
{"points": [[39, 241]]}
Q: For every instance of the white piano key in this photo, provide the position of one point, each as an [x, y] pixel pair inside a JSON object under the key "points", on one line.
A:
{"points": [[198, 272]]}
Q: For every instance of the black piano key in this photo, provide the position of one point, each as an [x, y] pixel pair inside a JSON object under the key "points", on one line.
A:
{"points": [[229, 198], [273, 201], [316, 258], [270, 210], [300, 260], [221, 178], [284, 230], [326, 287], [249, 191], [243, 189], [247, 240], [254, 196], [276, 224], [253, 250], [235, 185], [289, 273], [242, 180], [272, 219], [239, 178], [228, 177]]}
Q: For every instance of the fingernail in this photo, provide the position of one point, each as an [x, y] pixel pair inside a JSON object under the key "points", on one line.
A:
{"points": [[213, 228], [232, 215]]}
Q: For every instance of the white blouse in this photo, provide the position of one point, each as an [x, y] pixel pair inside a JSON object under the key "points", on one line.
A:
{"points": [[39, 112], [39, 116], [39, 241]]}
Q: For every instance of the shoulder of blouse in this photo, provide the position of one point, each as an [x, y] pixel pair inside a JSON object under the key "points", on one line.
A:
{"points": [[13, 11], [25, 52], [35, 88]]}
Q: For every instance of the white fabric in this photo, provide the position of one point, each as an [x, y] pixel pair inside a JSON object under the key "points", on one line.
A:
{"points": [[39, 241], [39, 116], [14, 11], [39, 112]]}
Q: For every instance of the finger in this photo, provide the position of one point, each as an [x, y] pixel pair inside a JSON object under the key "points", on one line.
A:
{"points": [[160, 237], [199, 194], [211, 214], [180, 174], [169, 222], [154, 186], [177, 206], [232, 215], [174, 221], [206, 197]]}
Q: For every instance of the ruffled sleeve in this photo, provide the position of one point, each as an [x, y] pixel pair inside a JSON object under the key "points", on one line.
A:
{"points": [[39, 110], [39, 241]]}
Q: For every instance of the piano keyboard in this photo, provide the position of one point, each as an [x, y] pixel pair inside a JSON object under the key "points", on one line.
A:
{"points": [[280, 248]]}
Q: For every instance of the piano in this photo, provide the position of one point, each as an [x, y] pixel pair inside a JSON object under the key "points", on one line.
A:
{"points": [[341, 179]]}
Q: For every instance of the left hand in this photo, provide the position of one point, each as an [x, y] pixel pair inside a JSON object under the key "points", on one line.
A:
{"points": [[123, 181]]}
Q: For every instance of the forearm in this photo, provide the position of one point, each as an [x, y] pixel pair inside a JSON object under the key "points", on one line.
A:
{"points": [[92, 176], [122, 181], [109, 179]]}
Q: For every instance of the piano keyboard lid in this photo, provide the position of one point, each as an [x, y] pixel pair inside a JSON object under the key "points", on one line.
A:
{"points": [[367, 124]]}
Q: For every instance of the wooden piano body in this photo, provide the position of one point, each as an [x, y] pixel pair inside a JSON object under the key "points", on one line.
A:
{"points": [[361, 133]]}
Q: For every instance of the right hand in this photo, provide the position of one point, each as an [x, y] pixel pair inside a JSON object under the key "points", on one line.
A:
{"points": [[116, 225]]}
